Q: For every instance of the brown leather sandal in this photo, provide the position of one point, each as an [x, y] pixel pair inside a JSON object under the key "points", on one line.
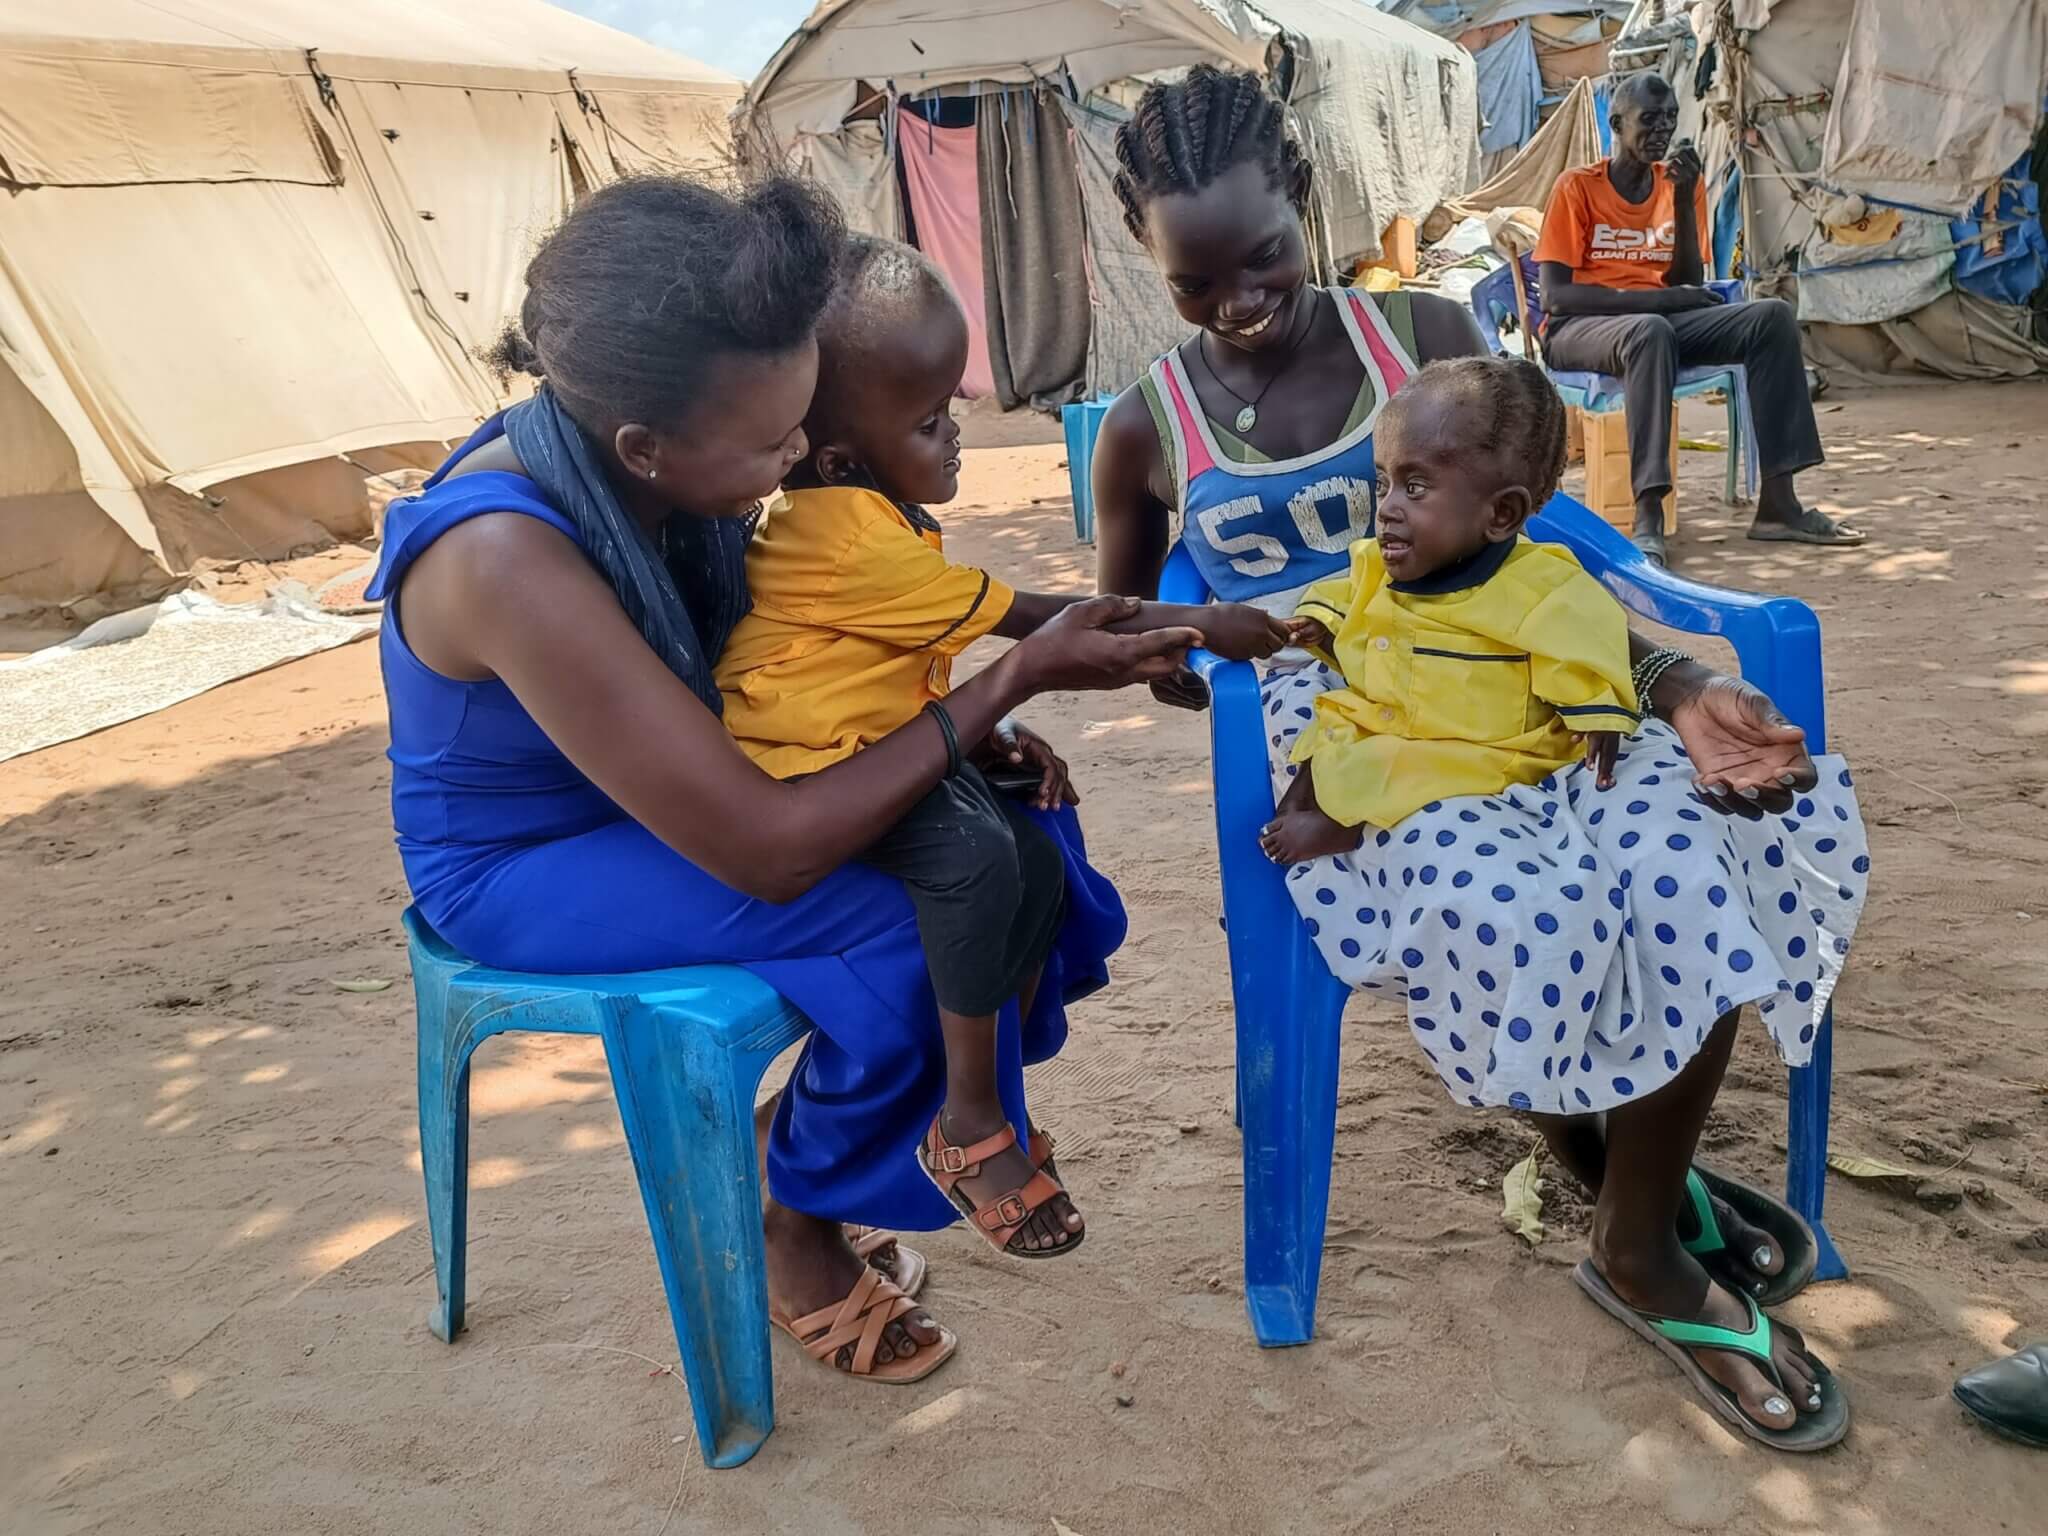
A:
{"points": [[1002, 1219], [872, 1243], [860, 1319]]}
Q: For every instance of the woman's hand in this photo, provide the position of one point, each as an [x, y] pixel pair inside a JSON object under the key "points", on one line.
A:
{"points": [[1747, 758], [1075, 650], [1015, 745]]}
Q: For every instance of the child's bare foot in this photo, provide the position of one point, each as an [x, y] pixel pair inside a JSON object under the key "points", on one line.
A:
{"points": [[1053, 1227], [1296, 836]]}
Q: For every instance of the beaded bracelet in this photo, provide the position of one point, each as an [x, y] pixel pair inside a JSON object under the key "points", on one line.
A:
{"points": [[938, 712], [1650, 671]]}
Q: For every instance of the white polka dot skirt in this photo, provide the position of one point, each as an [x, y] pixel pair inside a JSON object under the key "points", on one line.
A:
{"points": [[1566, 949]]}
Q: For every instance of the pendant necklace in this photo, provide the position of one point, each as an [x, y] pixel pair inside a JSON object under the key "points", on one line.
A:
{"points": [[1248, 417]]}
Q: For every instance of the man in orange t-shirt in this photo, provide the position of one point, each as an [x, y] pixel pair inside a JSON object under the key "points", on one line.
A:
{"points": [[1623, 265]]}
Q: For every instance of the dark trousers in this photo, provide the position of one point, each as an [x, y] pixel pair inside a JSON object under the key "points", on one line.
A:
{"points": [[1646, 352], [988, 884]]}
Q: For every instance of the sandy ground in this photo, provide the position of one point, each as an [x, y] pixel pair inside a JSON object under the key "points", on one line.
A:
{"points": [[214, 1271]]}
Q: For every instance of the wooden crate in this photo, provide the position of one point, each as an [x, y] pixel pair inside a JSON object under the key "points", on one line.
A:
{"points": [[1607, 471], [1575, 435]]}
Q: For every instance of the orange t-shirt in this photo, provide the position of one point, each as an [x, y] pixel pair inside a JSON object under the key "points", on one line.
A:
{"points": [[1611, 242]]}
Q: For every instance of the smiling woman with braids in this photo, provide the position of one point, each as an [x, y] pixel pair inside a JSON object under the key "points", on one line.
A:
{"points": [[566, 796], [1253, 443]]}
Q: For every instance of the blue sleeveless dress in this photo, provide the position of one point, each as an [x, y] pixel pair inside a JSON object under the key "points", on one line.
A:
{"points": [[521, 862]]}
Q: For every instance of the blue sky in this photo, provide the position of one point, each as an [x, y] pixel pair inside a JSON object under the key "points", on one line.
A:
{"points": [[735, 35]]}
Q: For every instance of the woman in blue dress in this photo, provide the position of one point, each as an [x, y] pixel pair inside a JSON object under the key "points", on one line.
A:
{"points": [[565, 795], [1252, 442]]}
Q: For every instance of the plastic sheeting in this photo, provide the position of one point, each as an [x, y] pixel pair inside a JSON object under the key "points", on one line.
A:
{"points": [[1134, 320], [942, 172], [858, 169], [1570, 139], [1510, 90], [1935, 99], [1034, 253]]}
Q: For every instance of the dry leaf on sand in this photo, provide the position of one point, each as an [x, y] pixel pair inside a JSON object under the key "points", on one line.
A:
{"points": [[1522, 1190]]}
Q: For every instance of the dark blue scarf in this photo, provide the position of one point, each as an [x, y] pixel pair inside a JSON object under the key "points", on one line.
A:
{"points": [[687, 595]]}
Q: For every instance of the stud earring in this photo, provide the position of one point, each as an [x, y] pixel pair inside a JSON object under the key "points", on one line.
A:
{"points": [[650, 474]]}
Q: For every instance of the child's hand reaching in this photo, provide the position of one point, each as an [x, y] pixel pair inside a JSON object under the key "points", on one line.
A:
{"points": [[1015, 745], [1240, 632], [1309, 634], [1600, 749]]}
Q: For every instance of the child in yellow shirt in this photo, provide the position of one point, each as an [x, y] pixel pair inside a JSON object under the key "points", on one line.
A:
{"points": [[1472, 658], [857, 616]]}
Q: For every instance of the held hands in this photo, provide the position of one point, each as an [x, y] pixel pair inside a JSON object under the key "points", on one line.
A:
{"points": [[1601, 747], [1015, 745], [1075, 649], [1309, 634], [1240, 632]]}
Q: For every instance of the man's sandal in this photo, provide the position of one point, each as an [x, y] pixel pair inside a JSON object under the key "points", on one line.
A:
{"points": [[860, 1320], [895, 1261], [1677, 1340], [999, 1220]]}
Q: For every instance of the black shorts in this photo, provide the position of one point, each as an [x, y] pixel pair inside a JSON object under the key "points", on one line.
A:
{"points": [[989, 886]]}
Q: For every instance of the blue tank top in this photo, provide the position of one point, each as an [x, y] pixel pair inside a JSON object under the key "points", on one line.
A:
{"points": [[473, 777], [1262, 532]]}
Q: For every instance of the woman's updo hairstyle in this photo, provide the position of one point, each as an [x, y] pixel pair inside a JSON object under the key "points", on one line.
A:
{"points": [[1186, 134], [647, 282]]}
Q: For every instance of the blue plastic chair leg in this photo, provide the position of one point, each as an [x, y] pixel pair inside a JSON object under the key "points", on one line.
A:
{"points": [[444, 1146], [1288, 1009], [686, 1095], [1734, 448], [1806, 1143]]}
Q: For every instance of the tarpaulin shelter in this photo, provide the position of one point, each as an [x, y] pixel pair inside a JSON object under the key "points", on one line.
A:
{"points": [[248, 248], [1388, 112], [1879, 164], [1530, 53]]}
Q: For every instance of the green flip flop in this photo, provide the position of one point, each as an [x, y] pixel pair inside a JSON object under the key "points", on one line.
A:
{"points": [[1771, 1216], [1677, 1339]]}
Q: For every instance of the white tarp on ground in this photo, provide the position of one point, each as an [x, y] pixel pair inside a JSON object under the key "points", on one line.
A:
{"points": [[1392, 110], [239, 236], [148, 659]]}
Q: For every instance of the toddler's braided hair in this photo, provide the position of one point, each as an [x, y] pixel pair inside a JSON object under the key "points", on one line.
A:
{"points": [[1524, 419], [1185, 135]]}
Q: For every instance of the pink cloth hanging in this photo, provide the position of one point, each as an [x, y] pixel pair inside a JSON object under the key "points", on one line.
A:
{"points": [[942, 169]]}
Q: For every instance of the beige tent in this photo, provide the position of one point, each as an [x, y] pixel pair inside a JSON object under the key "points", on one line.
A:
{"points": [[247, 248]]}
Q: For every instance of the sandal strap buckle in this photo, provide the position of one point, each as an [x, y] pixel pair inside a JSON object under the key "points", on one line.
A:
{"points": [[950, 1159]]}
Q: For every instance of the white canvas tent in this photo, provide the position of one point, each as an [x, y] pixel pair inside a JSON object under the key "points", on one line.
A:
{"points": [[1855, 145], [242, 238], [1396, 107], [1388, 111]]}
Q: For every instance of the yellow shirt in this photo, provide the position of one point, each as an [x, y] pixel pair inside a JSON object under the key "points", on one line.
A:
{"points": [[1461, 692], [857, 618]]}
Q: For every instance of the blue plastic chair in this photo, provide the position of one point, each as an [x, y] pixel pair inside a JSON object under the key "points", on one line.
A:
{"points": [[1081, 422], [687, 1049], [1288, 1004], [1494, 299]]}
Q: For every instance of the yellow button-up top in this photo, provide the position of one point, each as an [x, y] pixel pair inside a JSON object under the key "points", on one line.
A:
{"points": [[857, 617], [1463, 691]]}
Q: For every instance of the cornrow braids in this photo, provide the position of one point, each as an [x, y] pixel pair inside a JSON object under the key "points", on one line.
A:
{"points": [[1186, 134], [1524, 416]]}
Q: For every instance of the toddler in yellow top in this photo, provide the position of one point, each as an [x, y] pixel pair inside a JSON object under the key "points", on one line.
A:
{"points": [[1472, 658], [857, 616]]}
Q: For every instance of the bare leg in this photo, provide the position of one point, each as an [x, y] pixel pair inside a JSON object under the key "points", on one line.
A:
{"points": [[1579, 1145], [1649, 1147], [1300, 830], [974, 1111]]}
